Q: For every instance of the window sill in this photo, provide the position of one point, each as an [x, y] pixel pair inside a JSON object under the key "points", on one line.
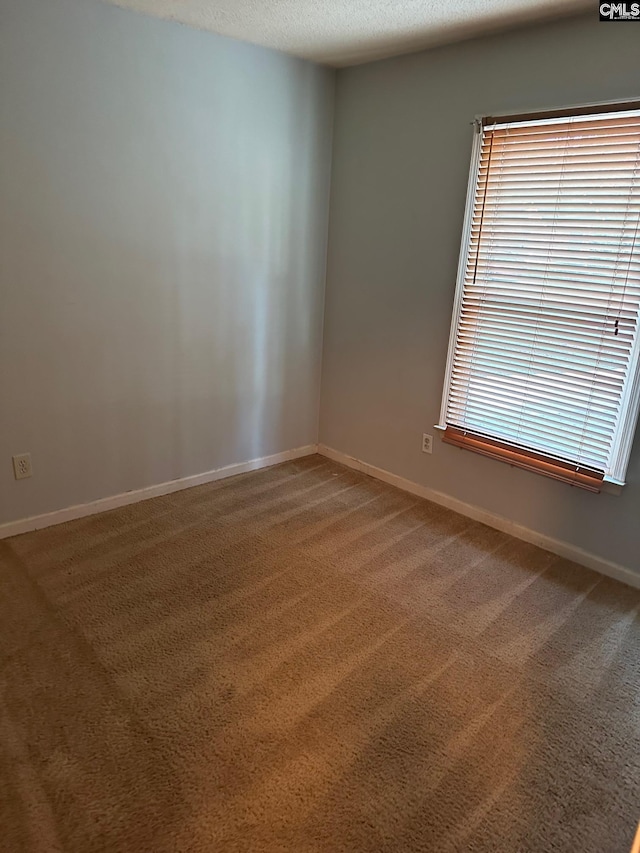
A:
{"points": [[580, 477]]}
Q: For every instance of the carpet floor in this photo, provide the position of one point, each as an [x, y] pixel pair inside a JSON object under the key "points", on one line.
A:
{"points": [[304, 659]]}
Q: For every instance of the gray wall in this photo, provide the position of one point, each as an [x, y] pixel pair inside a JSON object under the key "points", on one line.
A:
{"points": [[402, 146], [163, 216]]}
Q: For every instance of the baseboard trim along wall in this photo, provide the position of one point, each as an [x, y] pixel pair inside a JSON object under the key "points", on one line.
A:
{"points": [[37, 522], [556, 546]]}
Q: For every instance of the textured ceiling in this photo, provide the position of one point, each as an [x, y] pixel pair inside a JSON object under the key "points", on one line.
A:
{"points": [[345, 32]]}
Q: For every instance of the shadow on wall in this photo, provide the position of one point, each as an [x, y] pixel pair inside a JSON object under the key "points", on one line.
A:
{"points": [[164, 254]]}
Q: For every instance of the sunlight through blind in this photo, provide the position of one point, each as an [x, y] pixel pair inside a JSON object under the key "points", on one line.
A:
{"points": [[544, 350]]}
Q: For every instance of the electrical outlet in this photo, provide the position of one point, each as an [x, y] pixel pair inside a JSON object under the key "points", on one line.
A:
{"points": [[427, 443], [22, 466]]}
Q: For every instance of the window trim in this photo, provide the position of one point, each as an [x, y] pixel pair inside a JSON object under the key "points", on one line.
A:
{"points": [[495, 448]]}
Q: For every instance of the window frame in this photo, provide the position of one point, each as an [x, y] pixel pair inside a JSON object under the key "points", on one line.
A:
{"points": [[630, 398]]}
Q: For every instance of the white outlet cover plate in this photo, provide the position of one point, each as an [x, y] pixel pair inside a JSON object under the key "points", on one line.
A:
{"points": [[22, 466]]}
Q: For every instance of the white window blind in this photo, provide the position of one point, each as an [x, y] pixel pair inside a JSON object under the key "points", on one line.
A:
{"points": [[543, 354]]}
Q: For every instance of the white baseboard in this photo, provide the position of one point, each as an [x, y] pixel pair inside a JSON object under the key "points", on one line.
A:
{"points": [[37, 522], [556, 546]]}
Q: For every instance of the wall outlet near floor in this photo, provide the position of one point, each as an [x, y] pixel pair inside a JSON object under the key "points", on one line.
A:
{"points": [[427, 443], [22, 466]]}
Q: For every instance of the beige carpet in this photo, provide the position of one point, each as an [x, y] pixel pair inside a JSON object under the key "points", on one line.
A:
{"points": [[304, 659]]}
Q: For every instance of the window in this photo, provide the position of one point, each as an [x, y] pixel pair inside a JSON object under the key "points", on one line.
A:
{"points": [[543, 366]]}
